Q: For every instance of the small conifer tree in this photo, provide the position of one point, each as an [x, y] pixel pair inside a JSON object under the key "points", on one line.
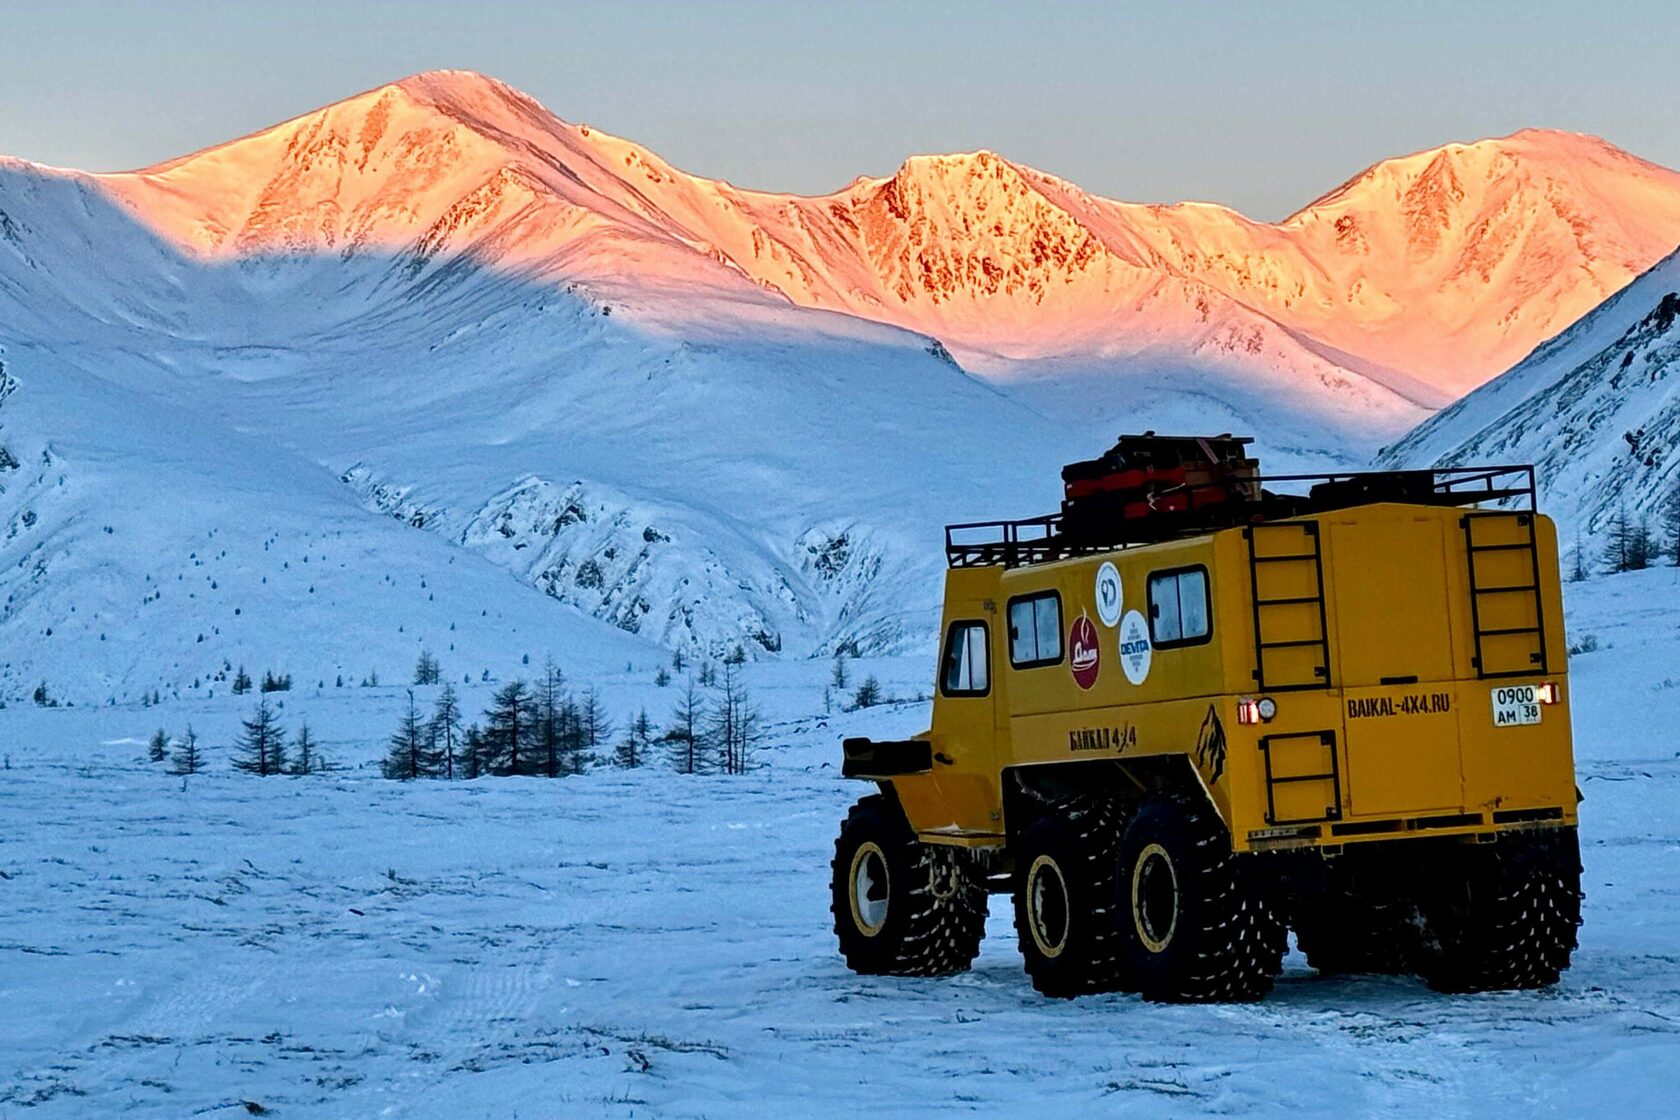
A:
{"points": [[261, 746], [732, 725], [446, 733], [305, 758], [1642, 547], [188, 759], [472, 753], [408, 756], [868, 693], [593, 724], [638, 737], [158, 749], [510, 730], [426, 669], [551, 702], [682, 734]]}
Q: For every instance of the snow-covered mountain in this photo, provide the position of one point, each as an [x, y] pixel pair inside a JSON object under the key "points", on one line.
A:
{"points": [[185, 440], [516, 347], [1430, 272], [1596, 409]]}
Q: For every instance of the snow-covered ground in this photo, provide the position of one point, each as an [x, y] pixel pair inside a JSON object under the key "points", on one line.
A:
{"points": [[644, 944]]}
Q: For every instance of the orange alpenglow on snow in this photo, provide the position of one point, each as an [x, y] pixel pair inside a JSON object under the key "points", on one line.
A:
{"points": [[1426, 274]]}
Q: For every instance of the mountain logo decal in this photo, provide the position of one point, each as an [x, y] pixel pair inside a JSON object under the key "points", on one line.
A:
{"points": [[1210, 746]]}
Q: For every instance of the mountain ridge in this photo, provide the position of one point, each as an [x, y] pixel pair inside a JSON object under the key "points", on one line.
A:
{"points": [[1521, 234]]}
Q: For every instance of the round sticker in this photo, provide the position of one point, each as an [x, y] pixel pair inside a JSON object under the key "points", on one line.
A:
{"points": [[1084, 651], [1109, 596], [1135, 649]]}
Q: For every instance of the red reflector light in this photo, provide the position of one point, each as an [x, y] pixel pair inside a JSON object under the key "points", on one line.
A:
{"points": [[1256, 711], [1550, 693]]}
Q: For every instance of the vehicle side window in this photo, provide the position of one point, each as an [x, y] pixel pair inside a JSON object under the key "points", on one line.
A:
{"points": [[1179, 613], [1035, 630], [965, 669]]}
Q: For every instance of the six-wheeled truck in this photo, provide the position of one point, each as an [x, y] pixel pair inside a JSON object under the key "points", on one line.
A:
{"points": [[1199, 708]]}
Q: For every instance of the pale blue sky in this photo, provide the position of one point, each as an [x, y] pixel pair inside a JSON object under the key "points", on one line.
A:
{"points": [[1259, 106]]}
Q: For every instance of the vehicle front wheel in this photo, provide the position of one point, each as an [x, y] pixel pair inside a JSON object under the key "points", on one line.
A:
{"points": [[901, 907]]}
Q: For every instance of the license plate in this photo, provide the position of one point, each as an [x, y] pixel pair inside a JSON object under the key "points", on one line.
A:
{"points": [[1516, 705]]}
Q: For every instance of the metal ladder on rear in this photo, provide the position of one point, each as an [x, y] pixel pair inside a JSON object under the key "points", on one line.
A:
{"points": [[1507, 616], [1290, 624]]}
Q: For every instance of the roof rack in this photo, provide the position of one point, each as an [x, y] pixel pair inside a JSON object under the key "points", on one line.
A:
{"points": [[1221, 499]]}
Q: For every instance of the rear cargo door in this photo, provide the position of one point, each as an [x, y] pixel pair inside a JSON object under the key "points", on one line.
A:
{"points": [[1395, 664]]}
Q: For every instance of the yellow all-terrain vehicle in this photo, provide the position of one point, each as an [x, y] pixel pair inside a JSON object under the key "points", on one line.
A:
{"points": [[1191, 712]]}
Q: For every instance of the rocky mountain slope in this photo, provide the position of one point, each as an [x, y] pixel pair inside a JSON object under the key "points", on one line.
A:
{"points": [[1596, 409]]}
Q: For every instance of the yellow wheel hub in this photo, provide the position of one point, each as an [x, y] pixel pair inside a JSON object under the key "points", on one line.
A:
{"points": [[1155, 898], [1048, 907], [871, 887]]}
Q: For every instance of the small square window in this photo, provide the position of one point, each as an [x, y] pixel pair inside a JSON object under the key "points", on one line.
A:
{"points": [[1179, 611], [1035, 630]]}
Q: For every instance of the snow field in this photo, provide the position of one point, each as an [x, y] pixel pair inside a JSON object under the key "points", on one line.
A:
{"points": [[643, 944]]}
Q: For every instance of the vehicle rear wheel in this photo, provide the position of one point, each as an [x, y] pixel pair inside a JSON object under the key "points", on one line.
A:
{"points": [[1195, 924], [901, 907], [1064, 897], [1343, 932], [1511, 921]]}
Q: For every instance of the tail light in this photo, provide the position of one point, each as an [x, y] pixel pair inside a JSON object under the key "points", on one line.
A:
{"points": [[1256, 710], [1549, 692]]}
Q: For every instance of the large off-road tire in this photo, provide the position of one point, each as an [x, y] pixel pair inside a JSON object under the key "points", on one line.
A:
{"points": [[1509, 918], [1343, 932], [901, 907], [1196, 924], [1065, 897]]}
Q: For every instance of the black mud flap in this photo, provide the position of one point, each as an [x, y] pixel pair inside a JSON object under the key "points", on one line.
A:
{"points": [[872, 759]]}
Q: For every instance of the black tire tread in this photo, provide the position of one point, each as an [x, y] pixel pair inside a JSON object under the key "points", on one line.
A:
{"points": [[941, 930], [1236, 947], [1094, 822], [1519, 930]]}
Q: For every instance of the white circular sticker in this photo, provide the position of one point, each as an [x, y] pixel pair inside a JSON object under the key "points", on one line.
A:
{"points": [[1135, 648], [1109, 595]]}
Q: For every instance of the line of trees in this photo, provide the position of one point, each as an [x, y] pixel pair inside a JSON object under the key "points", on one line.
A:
{"points": [[271, 682], [1631, 545], [545, 729], [540, 728], [261, 748]]}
